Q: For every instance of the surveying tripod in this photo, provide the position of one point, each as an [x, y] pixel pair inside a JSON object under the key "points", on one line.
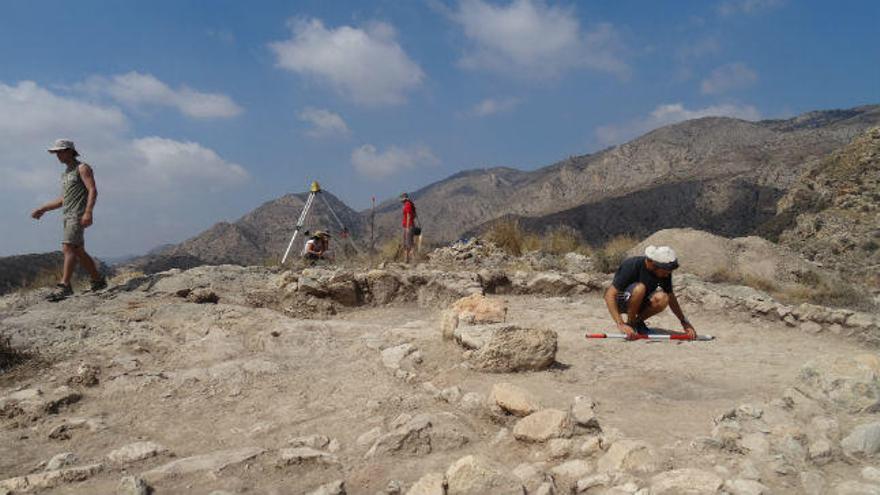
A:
{"points": [[314, 191]]}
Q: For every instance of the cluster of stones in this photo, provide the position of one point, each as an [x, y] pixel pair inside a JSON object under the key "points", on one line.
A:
{"points": [[806, 317]]}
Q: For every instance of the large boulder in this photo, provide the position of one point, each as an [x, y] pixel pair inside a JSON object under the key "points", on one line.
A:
{"points": [[864, 440], [512, 348]]}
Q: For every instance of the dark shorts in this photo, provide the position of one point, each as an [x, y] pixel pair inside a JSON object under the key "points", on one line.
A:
{"points": [[408, 238], [74, 232], [623, 298]]}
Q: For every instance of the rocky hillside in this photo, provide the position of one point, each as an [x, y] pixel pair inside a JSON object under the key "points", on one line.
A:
{"points": [[256, 238], [832, 214], [717, 174]]}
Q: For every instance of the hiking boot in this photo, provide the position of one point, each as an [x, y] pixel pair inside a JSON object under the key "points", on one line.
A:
{"points": [[640, 327], [61, 292], [98, 285]]}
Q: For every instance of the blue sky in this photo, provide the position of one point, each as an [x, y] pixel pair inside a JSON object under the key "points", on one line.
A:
{"points": [[194, 112]]}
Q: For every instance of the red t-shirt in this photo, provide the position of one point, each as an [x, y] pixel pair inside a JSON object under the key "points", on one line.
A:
{"points": [[409, 213]]}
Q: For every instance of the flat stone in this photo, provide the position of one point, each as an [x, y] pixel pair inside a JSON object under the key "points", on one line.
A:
{"points": [[333, 488], [512, 348], [629, 455], [474, 476], [369, 437], [50, 479], [543, 425], [61, 460], [137, 451], [304, 455], [685, 481], [411, 438], [313, 441], [214, 461], [393, 357], [513, 399], [429, 484], [568, 473], [746, 487]]}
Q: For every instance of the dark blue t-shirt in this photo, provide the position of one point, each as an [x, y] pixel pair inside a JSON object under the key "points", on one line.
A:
{"points": [[633, 270]]}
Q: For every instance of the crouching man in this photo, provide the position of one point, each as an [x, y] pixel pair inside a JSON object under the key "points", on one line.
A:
{"points": [[642, 288]]}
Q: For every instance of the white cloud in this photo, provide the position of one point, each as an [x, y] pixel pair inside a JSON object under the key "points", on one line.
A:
{"points": [[670, 114], [136, 89], [370, 162], [732, 7], [491, 106], [533, 40], [140, 179], [177, 162], [729, 77], [365, 65], [324, 123]]}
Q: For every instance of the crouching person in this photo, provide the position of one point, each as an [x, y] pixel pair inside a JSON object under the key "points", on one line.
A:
{"points": [[317, 247], [642, 288]]}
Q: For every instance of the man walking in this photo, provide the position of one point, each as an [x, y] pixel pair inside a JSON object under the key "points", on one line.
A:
{"points": [[409, 219], [642, 288], [78, 195]]}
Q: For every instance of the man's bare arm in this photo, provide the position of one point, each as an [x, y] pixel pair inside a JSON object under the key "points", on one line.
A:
{"points": [[51, 205], [611, 302], [676, 309], [88, 178]]}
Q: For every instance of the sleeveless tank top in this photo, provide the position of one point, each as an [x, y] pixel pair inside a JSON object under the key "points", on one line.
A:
{"points": [[74, 192]]}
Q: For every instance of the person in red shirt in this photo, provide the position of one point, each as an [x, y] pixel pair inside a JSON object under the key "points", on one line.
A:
{"points": [[409, 221]]}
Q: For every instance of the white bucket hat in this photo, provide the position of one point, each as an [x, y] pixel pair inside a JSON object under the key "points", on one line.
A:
{"points": [[63, 144], [662, 256]]}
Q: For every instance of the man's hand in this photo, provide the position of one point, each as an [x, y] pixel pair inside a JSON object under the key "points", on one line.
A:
{"points": [[628, 330], [36, 214], [689, 329], [86, 219]]}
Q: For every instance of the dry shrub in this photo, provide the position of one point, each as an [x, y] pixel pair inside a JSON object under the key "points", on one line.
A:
{"points": [[46, 277], [10, 356], [390, 250], [561, 239], [507, 235], [607, 259], [123, 277], [828, 292]]}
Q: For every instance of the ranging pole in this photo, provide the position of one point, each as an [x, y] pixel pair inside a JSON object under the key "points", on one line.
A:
{"points": [[652, 336]]}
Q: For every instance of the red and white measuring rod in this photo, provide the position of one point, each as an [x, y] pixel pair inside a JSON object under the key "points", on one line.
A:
{"points": [[653, 336]]}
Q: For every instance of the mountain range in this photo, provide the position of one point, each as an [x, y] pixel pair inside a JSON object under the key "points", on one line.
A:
{"points": [[721, 175]]}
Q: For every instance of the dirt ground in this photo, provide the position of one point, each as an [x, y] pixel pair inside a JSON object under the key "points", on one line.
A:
{"points": [[199, 379]]}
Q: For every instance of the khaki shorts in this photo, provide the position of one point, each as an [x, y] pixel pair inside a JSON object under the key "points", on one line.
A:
{"points": [[73, 232], [408, 238]]}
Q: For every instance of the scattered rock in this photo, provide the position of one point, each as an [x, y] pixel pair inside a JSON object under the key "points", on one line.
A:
{"points": [[61, 460], [304, 455], [687, 481], [369, 437], [474, 476], [203, 296], [745, 487], [513, 399], [137, 451], [214, 461], [333, 488], [864, 440], [429, 484], [567, 474], [412, 438], [543, 425], [403, 356], [50, 479], [856, 488], [584, 414], [86, 375], [313, 441], [133, 485], [629, 455]]}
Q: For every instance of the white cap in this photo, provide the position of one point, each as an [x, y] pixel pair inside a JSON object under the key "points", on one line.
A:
{"points": [[62, 144], [663, 256]]}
